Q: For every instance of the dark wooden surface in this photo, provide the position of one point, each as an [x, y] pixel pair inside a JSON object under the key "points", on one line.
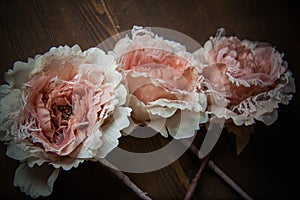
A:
{"points": [[267, 169]]}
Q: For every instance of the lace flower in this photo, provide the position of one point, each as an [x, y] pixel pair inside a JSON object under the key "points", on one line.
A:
{"points": [[162, 82], [58, 110], [250, 78]]}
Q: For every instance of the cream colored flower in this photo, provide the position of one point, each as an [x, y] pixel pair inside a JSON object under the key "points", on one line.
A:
{"points": [[58, 110], [249, 78], [163, 82]]}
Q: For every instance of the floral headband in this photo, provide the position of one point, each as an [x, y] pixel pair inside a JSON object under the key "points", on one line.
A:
{"points": [[68, 106]]}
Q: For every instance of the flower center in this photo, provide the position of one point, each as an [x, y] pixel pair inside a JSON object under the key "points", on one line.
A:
{"points": [[66, 111]]}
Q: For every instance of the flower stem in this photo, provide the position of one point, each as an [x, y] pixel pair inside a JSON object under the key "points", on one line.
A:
{"points": [[228, 180], [222, 175], [194, 183], [125, 179]]}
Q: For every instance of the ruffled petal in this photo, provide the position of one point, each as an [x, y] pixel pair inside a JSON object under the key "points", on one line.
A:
{"points": [[36, 181], [9, 104], [4, 90], [20, 151], [112, 132], [20, 73], [184, 123], [66, 163]]}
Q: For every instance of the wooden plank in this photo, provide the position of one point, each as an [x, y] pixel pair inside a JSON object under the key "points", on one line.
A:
{"points": [[31, 27]]}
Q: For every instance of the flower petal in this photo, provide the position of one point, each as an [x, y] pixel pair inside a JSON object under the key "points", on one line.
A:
{"points": [[268, 118], [19, 151], [20, 73], [36, 181], [111, 133], [66, 163], [184, 124], [9, 104], [4, 90]]}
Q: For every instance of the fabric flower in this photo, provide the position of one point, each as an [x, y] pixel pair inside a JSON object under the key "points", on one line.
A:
{"points": [[245, 81], [162, 81], [58, 110], [251, 77]]}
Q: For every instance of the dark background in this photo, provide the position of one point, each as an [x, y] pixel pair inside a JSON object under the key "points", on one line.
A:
{"points": [[267, 168]]}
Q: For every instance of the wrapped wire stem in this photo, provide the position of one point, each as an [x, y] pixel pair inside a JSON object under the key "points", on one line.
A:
{"points": [[221, 174], [125, 179], [194, 183]]}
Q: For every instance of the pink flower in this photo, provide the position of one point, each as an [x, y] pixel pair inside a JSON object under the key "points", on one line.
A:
{"points": [[61, 108], [162, 82], [251, 78]]}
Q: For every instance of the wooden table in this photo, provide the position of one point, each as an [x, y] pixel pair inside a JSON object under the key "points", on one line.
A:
{"points": [[266, 169]]}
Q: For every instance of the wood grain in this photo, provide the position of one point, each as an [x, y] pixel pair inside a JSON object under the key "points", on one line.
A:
{"points": [[266, 169]]}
